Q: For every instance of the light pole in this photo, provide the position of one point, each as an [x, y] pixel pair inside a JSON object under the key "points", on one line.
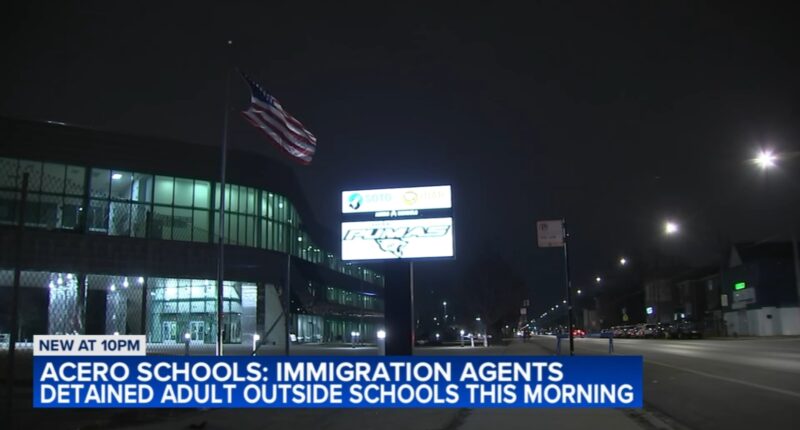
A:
{"points": [[381, 342], [256, 338], [670, 228], [765, 159]]}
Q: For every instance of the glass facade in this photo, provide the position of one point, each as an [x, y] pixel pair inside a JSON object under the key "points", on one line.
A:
{"points": [[333, 329], [55, 193], [354, 299], [166, 310], [117, 203], [123, 203]]}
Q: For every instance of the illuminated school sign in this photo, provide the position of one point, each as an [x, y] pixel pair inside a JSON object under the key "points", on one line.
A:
{"points": [[397, 223]]}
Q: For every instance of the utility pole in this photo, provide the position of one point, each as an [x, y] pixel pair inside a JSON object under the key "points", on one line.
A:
{"points": [[570, 314]]}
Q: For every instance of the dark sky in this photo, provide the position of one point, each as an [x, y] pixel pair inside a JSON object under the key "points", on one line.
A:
{"points": [[614, 115]]}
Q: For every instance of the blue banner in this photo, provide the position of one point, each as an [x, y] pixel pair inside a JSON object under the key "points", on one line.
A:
{"points": [[334, 382]]}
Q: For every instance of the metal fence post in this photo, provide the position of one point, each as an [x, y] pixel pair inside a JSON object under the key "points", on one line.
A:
{"points": [[14, 315]]}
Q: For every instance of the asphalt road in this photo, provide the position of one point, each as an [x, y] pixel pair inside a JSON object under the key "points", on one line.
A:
{"points": [[694, 384], [709, 384]]}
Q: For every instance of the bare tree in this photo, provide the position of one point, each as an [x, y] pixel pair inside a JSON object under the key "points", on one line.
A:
{"points": [[493, 290]]}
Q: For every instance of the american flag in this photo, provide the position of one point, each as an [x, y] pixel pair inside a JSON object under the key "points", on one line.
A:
{"points": [[266, 114]]}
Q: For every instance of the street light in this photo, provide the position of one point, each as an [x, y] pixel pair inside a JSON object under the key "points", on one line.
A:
{"points": [[670, 227], [381, 342], [579, 292], [765, 159], [598, 279], [444, 304], [623, 261]]}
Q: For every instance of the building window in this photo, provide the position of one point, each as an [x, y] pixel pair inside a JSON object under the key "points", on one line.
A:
{"points": [[119, 203]]}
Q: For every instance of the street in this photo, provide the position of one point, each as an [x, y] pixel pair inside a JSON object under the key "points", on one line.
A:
{"points": [[694, 384], [704, 384]]}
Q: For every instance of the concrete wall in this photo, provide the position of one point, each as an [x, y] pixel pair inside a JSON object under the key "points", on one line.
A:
{"points": [[272, 318], [790, 321], [766, 321]]}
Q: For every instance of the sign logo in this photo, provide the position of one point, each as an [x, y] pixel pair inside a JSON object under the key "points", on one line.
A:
{"points": [[395, 239], [355, 201], [393, 246], [410, 198]]}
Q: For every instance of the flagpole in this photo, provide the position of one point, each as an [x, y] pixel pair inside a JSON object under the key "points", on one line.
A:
{"points": [[288, 291], [221, 229]]}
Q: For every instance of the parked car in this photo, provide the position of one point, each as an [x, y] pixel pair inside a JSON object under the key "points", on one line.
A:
{"points": [[685, 330], [576, 332], [662, 330], [638, 331], [649, 331]]}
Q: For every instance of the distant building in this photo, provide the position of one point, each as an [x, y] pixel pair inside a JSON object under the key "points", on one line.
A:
{"points": [[690, 296], [660, 300], [121, 236], [760, 290]]}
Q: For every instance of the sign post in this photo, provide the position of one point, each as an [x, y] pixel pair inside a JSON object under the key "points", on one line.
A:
{"points": [[553, 234]]}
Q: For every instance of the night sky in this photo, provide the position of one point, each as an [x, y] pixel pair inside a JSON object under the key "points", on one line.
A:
{"points": [[613, 115]]}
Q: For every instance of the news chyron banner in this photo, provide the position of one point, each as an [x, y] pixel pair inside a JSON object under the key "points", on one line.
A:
{"points": [[397, 223], [113, 372]]}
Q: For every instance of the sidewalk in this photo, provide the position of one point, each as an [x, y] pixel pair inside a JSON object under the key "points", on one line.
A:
{"points": [[401, 419]]}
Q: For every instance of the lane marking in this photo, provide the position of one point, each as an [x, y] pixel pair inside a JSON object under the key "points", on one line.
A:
{"points": [[726, 379]]}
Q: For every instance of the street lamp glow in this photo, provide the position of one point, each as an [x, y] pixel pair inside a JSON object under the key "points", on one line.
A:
{"points": [[444, 303], [623, 261], [381, 334], [670, 227], [765, 159], [579, 292], [598, 279]]}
